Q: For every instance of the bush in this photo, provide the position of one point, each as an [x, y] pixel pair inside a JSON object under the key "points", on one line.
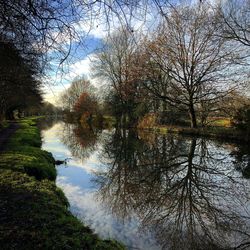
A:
{"points": [[148, 121], [241, 120]]}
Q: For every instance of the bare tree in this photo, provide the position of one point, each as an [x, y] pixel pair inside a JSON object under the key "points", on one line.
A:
{"points": [[235, 20], [196, 63], [114, 64]]}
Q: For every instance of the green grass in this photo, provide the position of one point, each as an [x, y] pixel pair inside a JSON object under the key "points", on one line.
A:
{"points": [[33, 211], [220, 122], [23, 153]]}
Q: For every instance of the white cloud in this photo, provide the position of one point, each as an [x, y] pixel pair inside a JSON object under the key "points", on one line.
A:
{"points": [[94, 28], [88, 208], [79, 68]]}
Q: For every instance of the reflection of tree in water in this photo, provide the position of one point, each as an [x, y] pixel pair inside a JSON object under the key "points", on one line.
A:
{"points": [[186, 190], [48, 122], [81, 141], [242, 159]]}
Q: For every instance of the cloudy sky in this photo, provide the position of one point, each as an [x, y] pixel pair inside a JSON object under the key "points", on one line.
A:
{"points": [[92, 32], [78, 66]]}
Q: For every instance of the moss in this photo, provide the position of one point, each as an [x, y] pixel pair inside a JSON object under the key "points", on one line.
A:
{"points": [[25, 155], [41, 218], [32, 164], [33, 211], [28, 135]]}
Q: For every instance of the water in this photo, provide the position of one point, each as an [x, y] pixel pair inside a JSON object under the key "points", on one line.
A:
{"points": [[154, 191]]}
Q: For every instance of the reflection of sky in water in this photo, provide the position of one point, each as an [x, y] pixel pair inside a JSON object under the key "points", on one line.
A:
{"points": [[75, 180], [217, 177]]}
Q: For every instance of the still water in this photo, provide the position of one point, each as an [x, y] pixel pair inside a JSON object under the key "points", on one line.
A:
{"points": [[154, 191]]}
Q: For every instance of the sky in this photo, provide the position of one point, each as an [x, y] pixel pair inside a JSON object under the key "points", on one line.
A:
{"points": [[82, 56], [79, 66], [93, 39]]}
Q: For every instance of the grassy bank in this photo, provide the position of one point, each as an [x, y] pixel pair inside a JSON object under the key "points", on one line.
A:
{"points": [[33, 211], [224, 133]]}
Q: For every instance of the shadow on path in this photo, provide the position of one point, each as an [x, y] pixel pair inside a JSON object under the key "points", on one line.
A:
{"points": [[6, 133]]}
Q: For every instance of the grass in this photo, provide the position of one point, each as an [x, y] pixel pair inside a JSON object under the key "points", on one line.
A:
{"points": [[33, 211], [220, 122], [218, 129], [23, 153]]}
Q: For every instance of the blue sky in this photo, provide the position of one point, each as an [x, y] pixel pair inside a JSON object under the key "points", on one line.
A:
{"points": [[78, 65], [93, 32]]}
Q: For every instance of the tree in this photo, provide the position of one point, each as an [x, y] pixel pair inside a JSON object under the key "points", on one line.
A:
{"points": [[40, 26], [235, 19], [194, 63], [115, 65], [85, 105], [242, 118], [71, 95], [20, 86]]}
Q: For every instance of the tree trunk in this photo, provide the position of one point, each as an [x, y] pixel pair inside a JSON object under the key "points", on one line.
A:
{"points": [[19, 114], [123, 120], [1, 119], [9, 115], [192, 116]]}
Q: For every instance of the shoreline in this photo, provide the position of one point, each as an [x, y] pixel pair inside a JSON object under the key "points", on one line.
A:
{"points": [[219, 133], [34, 211]]}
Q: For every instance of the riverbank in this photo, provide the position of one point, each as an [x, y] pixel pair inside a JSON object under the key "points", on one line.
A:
{"points": [[33, 211], [223, 133]]}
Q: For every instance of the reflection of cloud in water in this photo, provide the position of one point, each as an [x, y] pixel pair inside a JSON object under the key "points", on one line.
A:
{"points": [[52, 143], [90, 210], [90, 164], [187, 190]]}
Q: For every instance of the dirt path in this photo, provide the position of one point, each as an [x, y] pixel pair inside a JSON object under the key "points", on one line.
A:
{"points": [[6, 133]]}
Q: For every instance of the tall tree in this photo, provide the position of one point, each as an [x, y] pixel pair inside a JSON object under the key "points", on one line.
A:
{"points": [[114, 64], [86, 105], [19, 82], [71, 95], [196, 64]]}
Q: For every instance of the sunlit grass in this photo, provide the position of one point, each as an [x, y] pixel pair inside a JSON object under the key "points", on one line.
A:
{"points": [[34, 212], [220, 122]]}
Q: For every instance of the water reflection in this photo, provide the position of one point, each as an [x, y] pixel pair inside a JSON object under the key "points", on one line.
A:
{"points": [[155, 191], [81, 141], [187, 190], [241, 154]]}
